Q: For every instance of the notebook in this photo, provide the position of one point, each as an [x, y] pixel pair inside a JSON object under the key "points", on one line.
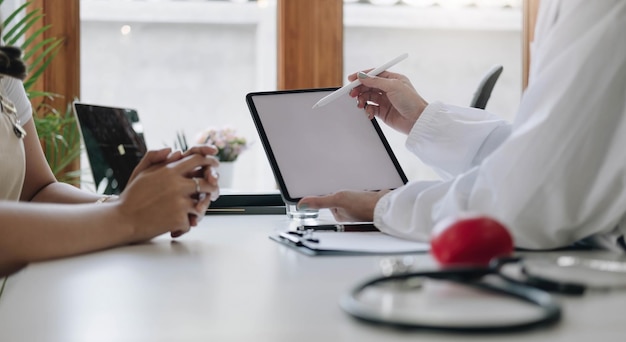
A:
{"points": [[323, 150]]}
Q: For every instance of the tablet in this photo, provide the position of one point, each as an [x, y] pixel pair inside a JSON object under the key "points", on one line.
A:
{"points": [[323, 150]]}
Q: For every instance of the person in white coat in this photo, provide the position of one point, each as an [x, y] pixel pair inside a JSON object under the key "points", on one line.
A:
{"points": [[555, 176]]}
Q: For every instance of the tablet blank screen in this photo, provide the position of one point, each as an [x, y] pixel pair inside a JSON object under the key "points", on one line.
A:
{"points": [[323, 150]]}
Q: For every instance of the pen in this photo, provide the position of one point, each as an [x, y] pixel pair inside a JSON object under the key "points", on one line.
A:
{"points": [[345, 89], [297, 240], [350, 227]]}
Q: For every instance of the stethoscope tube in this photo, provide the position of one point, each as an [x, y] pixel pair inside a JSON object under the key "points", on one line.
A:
{"points": [[472, 277], [567, 288]]}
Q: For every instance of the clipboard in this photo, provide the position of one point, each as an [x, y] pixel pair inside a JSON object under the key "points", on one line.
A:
{"points": [[348, 243], [315, 152]]}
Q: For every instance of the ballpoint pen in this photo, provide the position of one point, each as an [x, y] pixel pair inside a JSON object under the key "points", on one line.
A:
{"points": [[338, 227], [297, 239], [345, 89]]}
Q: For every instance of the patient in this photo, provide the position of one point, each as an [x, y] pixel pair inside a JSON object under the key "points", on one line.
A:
{"points": [[42, 219]]}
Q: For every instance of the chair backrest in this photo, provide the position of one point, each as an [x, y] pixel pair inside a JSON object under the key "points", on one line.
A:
{"points": [[114, 143], [483, 92]]}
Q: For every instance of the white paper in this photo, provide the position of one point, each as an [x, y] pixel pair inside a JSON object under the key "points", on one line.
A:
{"points": [[363, 242]]}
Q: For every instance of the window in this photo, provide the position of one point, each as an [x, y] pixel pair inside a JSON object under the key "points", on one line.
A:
{"points": [[187, 64], [184, 65]]}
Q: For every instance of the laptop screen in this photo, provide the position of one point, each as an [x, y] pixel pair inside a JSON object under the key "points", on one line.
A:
{"points": [[114, 142]]}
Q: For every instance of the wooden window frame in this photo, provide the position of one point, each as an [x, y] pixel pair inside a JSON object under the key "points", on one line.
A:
{"points": [[310, 43], [62, 76]]}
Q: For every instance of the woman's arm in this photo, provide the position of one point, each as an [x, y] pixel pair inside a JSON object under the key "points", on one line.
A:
{"points": [[39, 183], [158, 200], [33, 232]]}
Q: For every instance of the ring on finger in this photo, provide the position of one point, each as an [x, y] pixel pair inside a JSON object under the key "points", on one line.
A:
{"points": [[197, 181]]}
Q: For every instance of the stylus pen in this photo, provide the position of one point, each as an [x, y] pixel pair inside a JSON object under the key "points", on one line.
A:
{"points": [[345, 89]]}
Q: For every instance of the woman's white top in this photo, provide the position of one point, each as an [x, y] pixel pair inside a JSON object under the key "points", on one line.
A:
{"points": [[12, 157], [558, 173]]}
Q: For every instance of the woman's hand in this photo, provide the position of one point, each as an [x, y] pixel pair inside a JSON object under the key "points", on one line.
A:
{"points": [[389, 96], [164, 197], [346, 205], [208, 174], [202, 174]]}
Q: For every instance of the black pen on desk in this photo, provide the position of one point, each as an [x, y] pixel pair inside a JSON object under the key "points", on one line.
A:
{"points": [[338, 227], [297, 240]]}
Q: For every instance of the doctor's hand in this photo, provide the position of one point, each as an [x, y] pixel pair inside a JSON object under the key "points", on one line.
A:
{"points": [[346, 205], [390, 97]]}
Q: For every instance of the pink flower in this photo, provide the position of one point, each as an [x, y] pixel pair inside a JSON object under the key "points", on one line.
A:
{"points": [[228, 143]]}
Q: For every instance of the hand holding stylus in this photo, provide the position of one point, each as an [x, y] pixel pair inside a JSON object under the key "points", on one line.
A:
{"points": [[346, 89]]}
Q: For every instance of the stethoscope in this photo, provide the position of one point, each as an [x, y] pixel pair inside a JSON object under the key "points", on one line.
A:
{"points": [[511, 278]]}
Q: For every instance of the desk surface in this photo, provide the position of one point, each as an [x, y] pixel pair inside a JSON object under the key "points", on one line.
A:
{"points": [[226, 281]]}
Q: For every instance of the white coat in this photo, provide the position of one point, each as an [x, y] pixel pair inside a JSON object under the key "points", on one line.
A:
{"points": [[557, 174]]}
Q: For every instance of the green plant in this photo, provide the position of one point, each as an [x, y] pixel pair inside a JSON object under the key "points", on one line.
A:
{"points": [[60, 137], [57, 130]]}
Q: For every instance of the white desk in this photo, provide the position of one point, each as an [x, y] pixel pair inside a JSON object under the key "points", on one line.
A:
{"points": [[226, 281]]}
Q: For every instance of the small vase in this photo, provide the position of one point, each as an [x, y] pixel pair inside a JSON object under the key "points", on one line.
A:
{"points": [[226, 171]]}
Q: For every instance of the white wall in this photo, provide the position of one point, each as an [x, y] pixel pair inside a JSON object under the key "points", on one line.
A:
{"points": [[8, 6]]}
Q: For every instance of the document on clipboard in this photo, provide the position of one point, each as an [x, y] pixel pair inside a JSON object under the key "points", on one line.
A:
{"points": [[326, 242]]}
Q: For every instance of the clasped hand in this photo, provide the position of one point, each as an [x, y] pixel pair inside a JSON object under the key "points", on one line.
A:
{"points": [[170, 191]]}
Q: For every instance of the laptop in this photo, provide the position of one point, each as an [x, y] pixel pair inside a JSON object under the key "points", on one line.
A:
{"points": [[115, 143]]}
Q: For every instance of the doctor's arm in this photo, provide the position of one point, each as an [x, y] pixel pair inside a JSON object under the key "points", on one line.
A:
{"points": [[449, 139]]}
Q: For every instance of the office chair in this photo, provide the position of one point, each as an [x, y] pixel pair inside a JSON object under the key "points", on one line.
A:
{"points": [[483, 92]]}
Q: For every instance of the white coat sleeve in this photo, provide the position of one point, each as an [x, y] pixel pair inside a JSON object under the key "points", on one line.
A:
{"points": [[468, 134], [560, 175]]}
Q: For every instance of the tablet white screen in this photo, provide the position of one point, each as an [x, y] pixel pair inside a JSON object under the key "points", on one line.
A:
{"points": [[323, 150]]}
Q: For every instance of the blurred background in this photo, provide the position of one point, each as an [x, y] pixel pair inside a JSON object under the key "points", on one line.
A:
{"points": [[186, 65]]}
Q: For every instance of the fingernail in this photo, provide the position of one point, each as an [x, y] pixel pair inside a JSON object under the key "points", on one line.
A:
{"points": [[361, 74], [215, 195]]}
